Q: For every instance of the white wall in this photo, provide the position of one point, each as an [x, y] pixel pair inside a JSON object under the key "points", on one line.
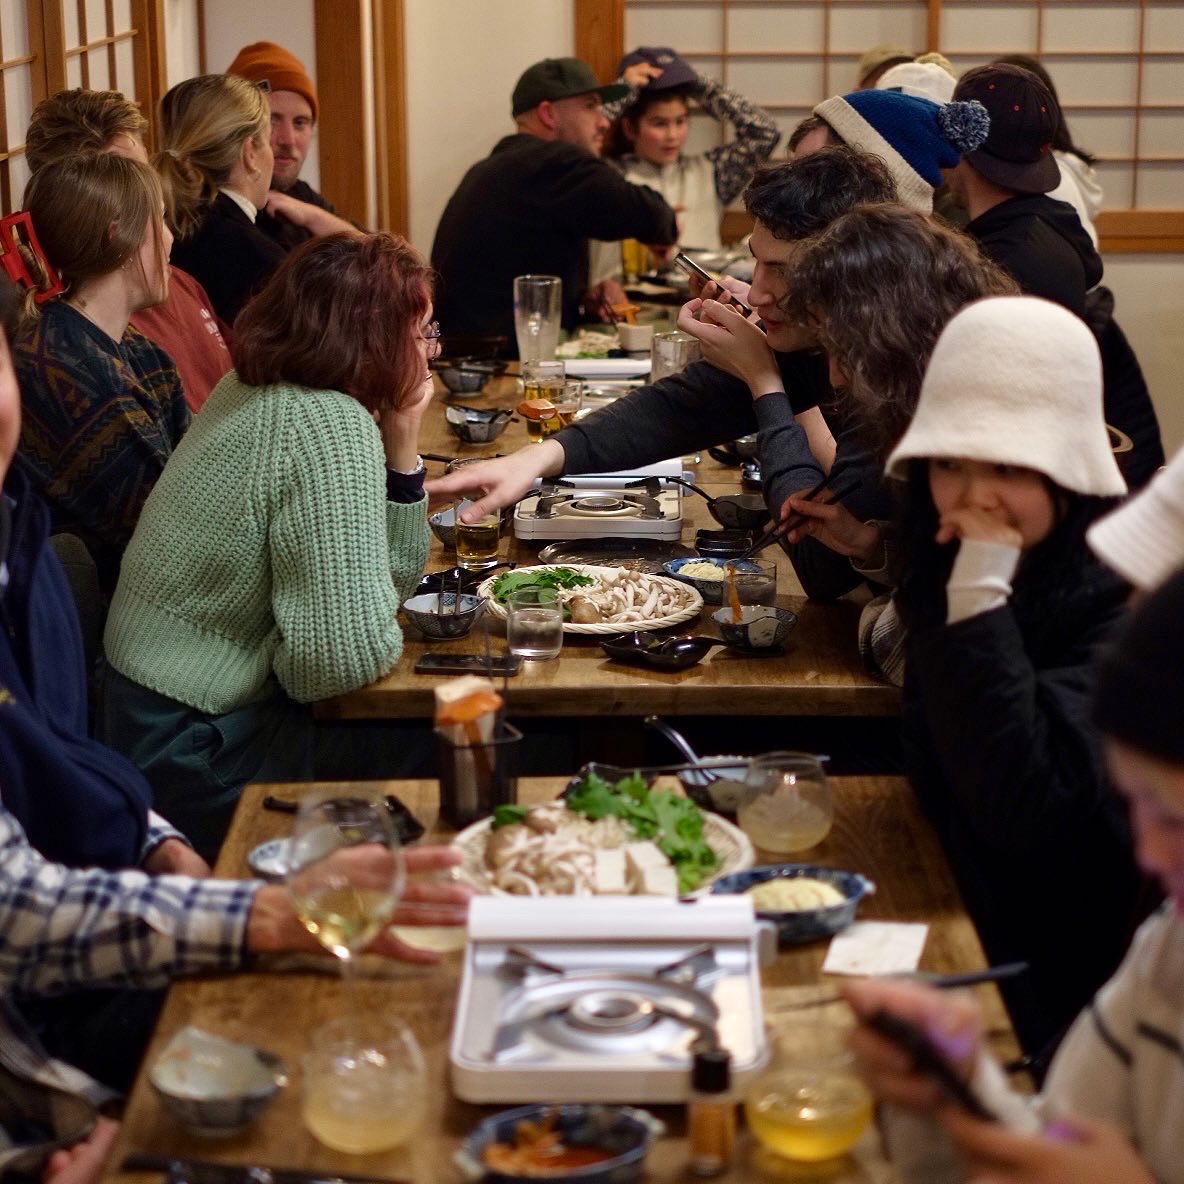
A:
{"points": [[181, 40], [231, 24], [463, 58], [1149, 305]]}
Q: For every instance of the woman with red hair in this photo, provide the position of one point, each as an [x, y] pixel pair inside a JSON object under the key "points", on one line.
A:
{"points": [[271, 559]]}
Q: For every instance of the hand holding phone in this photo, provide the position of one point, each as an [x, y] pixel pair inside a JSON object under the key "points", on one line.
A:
{"points": [[927, 1060], [688, 265]]}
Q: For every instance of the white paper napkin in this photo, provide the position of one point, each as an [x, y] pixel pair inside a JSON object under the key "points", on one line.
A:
{"points": [[876, 947]]}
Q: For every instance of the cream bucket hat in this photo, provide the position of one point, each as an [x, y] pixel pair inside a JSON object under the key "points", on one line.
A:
{"points": [[1015, 380], [1143, 540]]}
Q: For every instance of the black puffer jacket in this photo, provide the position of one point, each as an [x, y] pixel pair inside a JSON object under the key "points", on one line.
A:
{"points": [[1043, 246], [1000, 748]]}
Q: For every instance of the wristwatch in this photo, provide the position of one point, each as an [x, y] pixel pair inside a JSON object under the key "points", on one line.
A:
{"points": [[420, 467]]}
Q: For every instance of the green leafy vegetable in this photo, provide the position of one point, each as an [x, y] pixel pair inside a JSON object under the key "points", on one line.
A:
{"points": [[507, 816], [673, 822], [552, 577]]}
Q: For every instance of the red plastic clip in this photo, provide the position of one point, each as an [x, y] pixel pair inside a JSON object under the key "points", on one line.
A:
{"points": [[14, 263]]}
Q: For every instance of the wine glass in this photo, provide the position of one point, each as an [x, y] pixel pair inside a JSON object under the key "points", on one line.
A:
{"points": [[786, 804], [345, 868]]}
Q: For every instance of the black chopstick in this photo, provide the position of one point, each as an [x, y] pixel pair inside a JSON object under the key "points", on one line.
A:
{"points": [[770, 536], [943, 982]]}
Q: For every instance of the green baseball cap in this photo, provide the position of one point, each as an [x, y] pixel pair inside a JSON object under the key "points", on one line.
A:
{"points": [[560, 78]]}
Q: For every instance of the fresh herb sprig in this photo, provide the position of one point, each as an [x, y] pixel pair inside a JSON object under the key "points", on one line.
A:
{"points": [[673, 822], [551, 577]]}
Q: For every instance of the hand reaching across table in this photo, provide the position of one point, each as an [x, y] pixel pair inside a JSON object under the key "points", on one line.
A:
{"points": [[832, 525], [499, 482]]}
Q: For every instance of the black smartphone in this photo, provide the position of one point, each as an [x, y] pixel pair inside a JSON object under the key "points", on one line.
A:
{"points": [[508, 664], [692, 268], [927, 1060]]}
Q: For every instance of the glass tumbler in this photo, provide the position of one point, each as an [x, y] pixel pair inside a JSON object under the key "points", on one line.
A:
{"points": [[534, 623], [810, 1104], [537, 303], [365, 1084], [672, 352], [476, 542], [786, 804]]}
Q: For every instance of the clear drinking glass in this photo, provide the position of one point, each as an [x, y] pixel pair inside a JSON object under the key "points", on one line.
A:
{"points": [[534, 623], [568, 400], [345, 868], [476, 542], [365, 1084], [537, 303], [810, 1104], [672, 352], [542, 380], [786, 804], [757, 584]]}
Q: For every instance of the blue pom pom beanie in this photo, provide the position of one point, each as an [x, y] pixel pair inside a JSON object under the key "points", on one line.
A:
{"points": [[915, 137]]}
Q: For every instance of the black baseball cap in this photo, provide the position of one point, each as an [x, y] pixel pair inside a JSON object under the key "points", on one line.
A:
{"points": [[1017, 152], [560, 78], [676, 71]]}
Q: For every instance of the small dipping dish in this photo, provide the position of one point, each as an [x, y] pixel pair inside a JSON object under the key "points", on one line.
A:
{"points": [[762, 627], [625, 1132], [215, 1086], [660, 653], [443, 525], [802, 925], [722, 544], [477, 425], [441, 616]]}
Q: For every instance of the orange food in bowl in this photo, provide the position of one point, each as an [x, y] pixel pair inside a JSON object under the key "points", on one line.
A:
{"points": [[537, 409]]}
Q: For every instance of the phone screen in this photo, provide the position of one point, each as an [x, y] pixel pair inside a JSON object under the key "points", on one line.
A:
{"points": [[467, 664]]}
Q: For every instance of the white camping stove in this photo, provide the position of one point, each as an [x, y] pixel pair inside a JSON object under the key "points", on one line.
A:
{"points": [[640, 504], [599, 999]]}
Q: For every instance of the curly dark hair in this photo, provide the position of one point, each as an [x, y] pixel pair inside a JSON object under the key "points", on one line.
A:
{"points": [[802, 197], [879, 284]]}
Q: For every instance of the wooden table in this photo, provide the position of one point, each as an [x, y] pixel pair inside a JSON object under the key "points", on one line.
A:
{"points": [[820, 672], [878, 831]]}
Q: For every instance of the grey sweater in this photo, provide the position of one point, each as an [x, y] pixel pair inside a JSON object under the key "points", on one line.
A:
{"points": [[703, 406]]}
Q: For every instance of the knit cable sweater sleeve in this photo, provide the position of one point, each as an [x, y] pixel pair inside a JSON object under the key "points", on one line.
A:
{"points": [[756, 135], [98, 427], [342, 556]]}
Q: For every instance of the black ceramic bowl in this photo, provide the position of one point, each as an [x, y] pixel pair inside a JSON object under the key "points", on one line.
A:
{"points": [[477, 425], [722, 544]]}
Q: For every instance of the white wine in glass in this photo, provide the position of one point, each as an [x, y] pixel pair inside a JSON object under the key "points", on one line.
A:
{"points": [[345, 868]]}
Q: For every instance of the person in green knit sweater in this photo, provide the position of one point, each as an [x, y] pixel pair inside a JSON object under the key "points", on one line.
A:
{"points": [[271, 558]]}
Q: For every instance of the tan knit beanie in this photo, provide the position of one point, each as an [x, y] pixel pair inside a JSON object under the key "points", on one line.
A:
{"points": [[266, 61], [1017, 381]]}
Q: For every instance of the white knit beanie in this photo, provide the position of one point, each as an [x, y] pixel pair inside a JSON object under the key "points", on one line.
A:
{"points": [[1143, 540], [1015, 380], [922, 80]]}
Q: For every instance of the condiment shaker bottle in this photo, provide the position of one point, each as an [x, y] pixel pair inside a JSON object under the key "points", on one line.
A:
{"points": [[711, 1112]]}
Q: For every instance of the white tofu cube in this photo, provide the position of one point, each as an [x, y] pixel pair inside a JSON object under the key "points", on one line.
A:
{"points": [[610, 872], [659, 881]]}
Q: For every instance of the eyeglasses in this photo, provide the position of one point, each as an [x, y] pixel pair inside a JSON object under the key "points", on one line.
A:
{"points": [[432, 336], [264, 85]]}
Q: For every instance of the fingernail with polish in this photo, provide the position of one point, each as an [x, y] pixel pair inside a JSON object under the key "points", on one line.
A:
{"points": [[1060, 1131]]}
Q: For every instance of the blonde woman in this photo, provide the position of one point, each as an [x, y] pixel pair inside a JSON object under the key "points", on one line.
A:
{"points": [[103, 406], [216, 171]]}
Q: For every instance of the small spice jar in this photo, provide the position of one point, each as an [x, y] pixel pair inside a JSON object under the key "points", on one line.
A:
{"points": [[711, 1112]]}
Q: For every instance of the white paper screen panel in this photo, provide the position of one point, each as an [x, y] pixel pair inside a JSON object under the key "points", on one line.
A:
{"points": [[1118, 65]]}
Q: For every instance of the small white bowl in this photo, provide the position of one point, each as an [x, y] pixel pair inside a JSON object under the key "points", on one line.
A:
{"points": [[635, 338], [215, 1086]]}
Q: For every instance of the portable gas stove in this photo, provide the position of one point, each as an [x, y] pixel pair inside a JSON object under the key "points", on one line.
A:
{"points": [[609, 1015]]}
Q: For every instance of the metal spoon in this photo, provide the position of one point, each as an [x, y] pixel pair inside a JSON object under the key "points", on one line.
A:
{"points": [[682, 744]]}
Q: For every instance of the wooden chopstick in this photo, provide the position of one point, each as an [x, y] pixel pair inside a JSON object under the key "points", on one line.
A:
{"points": [[842, 490]]}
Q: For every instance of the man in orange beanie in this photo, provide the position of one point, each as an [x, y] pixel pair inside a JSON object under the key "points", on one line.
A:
{"points": [[295, 211]]}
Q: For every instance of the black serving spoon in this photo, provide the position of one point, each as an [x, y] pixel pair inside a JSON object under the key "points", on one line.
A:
{"points": [[663, 653], [736, 511]]}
